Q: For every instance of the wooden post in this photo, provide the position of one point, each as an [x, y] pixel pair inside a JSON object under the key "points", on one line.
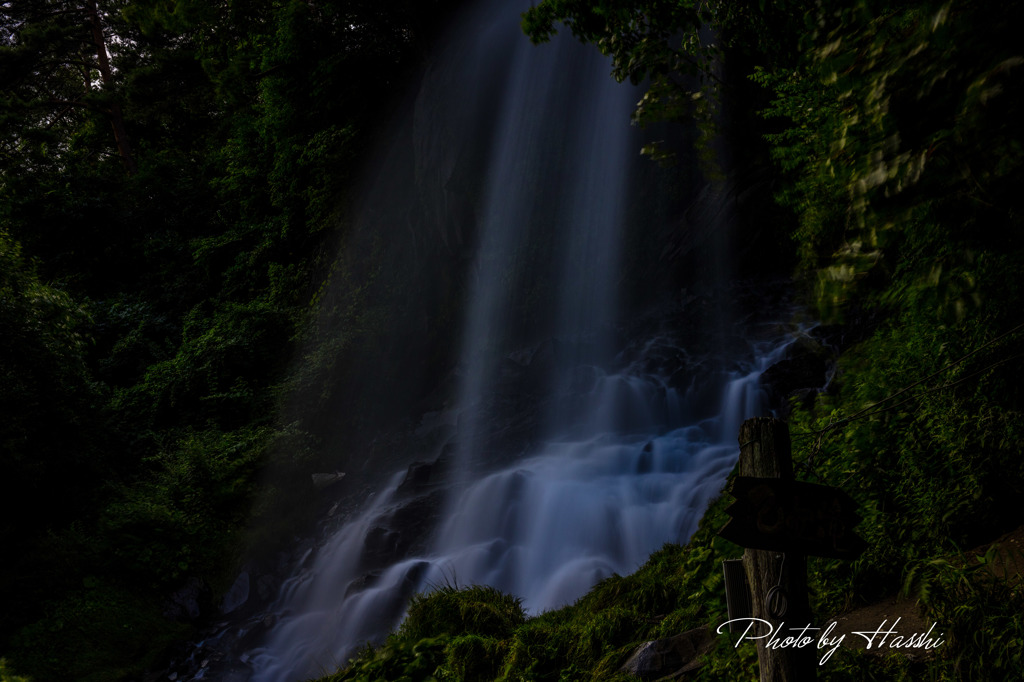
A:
{"points": [[765, 453]]}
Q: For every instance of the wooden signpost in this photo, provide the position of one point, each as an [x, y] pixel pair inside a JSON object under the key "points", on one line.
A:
{"points": [[780, 521], [790, 516]]}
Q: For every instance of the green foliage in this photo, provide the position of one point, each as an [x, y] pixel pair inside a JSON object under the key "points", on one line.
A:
{"points": [[57, 104], [149, 317], [976, 610], [71, 640], [179, 522], [903, 212], [402, 660], [42, 364], [729, 662], [941, 457], [920, 427], [472, 658], [888, 141], [48, 400], [811, 110], [7, 676], [449, 610], [220, 371], [658, 40], [673, 46]]}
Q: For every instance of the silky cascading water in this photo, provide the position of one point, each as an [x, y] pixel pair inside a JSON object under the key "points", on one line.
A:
{"points": [[574, 444]]}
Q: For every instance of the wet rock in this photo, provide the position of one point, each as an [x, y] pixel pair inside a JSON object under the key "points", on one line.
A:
{"points": [[528, 371], [401, 529], [670, 658], [804, 369], [253, 631], [416, 517], [438, 420], [186, 603], [422, 475], [411, 579], [236, 674], [380, 546], [362, 582], [321, 481], [663, 359], [645, 462], [266, 586]]}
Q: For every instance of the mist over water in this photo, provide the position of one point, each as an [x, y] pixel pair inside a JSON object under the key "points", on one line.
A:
{"points": [[624, 453]]}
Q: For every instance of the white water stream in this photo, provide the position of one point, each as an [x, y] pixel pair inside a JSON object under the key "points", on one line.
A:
{"points": [[545, 529]]}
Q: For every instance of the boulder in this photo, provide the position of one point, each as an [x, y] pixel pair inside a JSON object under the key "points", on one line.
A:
{"points": [[267, 586], [402, 529], [421, 476], [672, 657], [253, 631], [803, 370], [437, 421], [645, 462], [186, 602], [361, 583]]}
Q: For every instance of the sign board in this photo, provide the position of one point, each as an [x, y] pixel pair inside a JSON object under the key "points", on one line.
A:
{"points": [[737, 593], [791, 516]]}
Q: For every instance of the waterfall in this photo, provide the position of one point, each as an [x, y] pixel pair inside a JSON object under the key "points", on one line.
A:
{"points": [[630, 436], [553, 205], [635, 474]]}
